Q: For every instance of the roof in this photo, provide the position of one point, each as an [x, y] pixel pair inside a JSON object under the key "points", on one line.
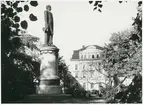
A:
{"points": [[75, 55], [97, 47], [76, 52]]}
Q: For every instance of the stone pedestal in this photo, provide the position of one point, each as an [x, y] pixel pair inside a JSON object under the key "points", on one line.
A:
{"points": [[49, 80]]}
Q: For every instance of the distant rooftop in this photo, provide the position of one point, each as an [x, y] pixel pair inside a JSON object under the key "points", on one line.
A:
{"points": [[76, 52]]}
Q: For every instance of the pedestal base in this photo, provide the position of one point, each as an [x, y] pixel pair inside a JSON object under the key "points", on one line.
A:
{"points": [[49, 80], [49, 86], [49, 90]]}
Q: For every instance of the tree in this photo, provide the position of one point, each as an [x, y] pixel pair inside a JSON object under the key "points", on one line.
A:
{"points": [[99, 4], [62, 70], [17, 65], [118, 55], [19, 68], [123, 57]]}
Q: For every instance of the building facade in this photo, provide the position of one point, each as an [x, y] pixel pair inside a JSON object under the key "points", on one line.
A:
{"points": [[86, 67]]}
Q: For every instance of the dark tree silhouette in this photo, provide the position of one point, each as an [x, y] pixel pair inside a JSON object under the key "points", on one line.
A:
{"points": [[122, 57], [17, 65]]}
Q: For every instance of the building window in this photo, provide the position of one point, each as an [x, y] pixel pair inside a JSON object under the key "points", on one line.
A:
{"points": [[84, 75], [81, 56], [88, 56], [76, 75], [76, 66], [84, 56], [92, 74], [84, 85], [97, 56], [92, 56], [99, 65], [83, 67], [92, 85]]}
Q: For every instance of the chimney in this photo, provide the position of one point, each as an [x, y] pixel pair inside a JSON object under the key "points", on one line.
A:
{"points": [[83, 46]]}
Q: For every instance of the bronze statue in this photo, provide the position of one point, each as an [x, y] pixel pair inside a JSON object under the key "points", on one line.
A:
{"points": [[48, 29]]}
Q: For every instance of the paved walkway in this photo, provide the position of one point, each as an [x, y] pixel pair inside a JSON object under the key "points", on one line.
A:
{"points": [[62, 98]]}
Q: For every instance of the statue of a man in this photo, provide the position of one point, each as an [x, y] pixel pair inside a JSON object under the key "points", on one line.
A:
{"points": [[48, 29]]}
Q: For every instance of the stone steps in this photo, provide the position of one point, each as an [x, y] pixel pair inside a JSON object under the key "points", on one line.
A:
{"points": [[58, 98], [50, 98]]}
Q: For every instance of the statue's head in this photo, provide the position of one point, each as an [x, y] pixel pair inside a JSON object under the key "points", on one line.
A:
{"points": [[48, 7]]}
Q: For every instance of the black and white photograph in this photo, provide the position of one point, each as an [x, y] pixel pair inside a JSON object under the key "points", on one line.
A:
{"points": [[71, 51]]}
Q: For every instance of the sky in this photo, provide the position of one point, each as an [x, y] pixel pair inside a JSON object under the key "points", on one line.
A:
{"points": [[76, 24]]}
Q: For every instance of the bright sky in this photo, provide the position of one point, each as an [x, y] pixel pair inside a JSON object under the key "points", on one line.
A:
{"points": [[76, 24]]}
